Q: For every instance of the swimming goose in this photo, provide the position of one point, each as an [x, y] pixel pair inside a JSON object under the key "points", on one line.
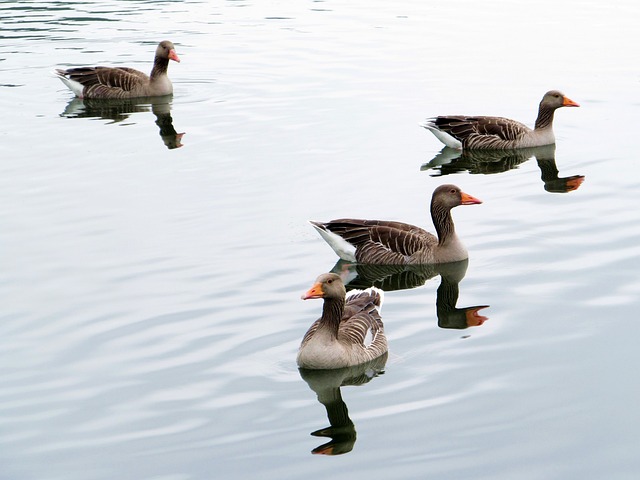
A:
{"points": [[395, 243], [350, 330], [122, 82], [464, 132]]}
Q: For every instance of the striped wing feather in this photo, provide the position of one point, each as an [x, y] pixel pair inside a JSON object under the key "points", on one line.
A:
{"points": [[482, 132], [101, 81], [379, 241], [310, 333], [361, 314]]}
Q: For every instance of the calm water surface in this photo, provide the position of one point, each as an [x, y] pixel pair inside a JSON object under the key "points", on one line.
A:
{"points": [[151, 293]]}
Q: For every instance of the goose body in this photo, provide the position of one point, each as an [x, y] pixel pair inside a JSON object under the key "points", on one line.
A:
{"points": [[122, 82], [396, 243], [349, 332], [482, 132]]}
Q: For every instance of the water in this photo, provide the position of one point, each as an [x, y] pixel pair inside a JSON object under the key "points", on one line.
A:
{"points": [[151, 294]]}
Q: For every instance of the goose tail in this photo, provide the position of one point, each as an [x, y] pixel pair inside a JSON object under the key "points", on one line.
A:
{"points": [[343, 248]]}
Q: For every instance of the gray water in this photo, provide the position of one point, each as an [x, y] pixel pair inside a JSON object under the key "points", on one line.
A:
{"points": [[151, 294]]}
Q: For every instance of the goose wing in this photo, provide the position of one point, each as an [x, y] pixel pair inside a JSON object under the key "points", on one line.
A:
{"points": [[382, 242], [310, 333], [106, 79], [481, 131], [362, 323]]}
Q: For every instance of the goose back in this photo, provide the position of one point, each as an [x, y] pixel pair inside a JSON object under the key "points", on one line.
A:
{"points": [[381, 242], [473, 132]]}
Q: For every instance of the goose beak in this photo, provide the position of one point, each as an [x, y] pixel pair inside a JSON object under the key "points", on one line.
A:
{"points": [[329, 450], [567, 102], [468, 199], [574, 182], [474, 319], [313, 292], [174, 56]]}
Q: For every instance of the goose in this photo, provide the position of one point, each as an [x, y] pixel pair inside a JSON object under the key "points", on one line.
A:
{"points": [[475, 133], [350, 330], [394, 243], [122, 82]]}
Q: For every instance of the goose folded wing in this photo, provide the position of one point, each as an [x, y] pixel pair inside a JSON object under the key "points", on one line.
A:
{"points": [[459, 127], [125, 79], [359, 300], [311, 332], [382, 241], [465, 127], [363, 328], [503, 128]]}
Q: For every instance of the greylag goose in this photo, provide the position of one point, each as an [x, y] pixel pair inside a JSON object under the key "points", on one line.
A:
{"points": [[467, 132], [350, 330], [395, 243], [122, 82]]}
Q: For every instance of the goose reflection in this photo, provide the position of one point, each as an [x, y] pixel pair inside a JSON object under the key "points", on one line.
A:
{"points": [[326, 384], [399, 277], [119, 110], [449, 161]]}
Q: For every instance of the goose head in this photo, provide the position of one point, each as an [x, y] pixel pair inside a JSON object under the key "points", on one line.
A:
{"points": [[554, 99], [167, 50], [327, 285], [450, 196]]}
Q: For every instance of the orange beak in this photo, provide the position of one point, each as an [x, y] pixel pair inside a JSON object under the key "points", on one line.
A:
{"points": [[174, 56], [574, 182], [313, 292], [469, 200], [567, 102], [323, 450], [474, 319]]}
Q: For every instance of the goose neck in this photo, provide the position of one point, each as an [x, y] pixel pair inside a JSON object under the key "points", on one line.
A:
{"points": [[443, 222], [332, 311], [160, 66], [545, 117]]}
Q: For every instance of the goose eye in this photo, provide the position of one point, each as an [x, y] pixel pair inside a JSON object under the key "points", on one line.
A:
{"points": [[329, 281], [453, 190]]}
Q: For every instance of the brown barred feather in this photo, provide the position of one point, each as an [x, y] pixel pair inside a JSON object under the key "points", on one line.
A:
{"points": [[384, 242], [482, 132]]}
